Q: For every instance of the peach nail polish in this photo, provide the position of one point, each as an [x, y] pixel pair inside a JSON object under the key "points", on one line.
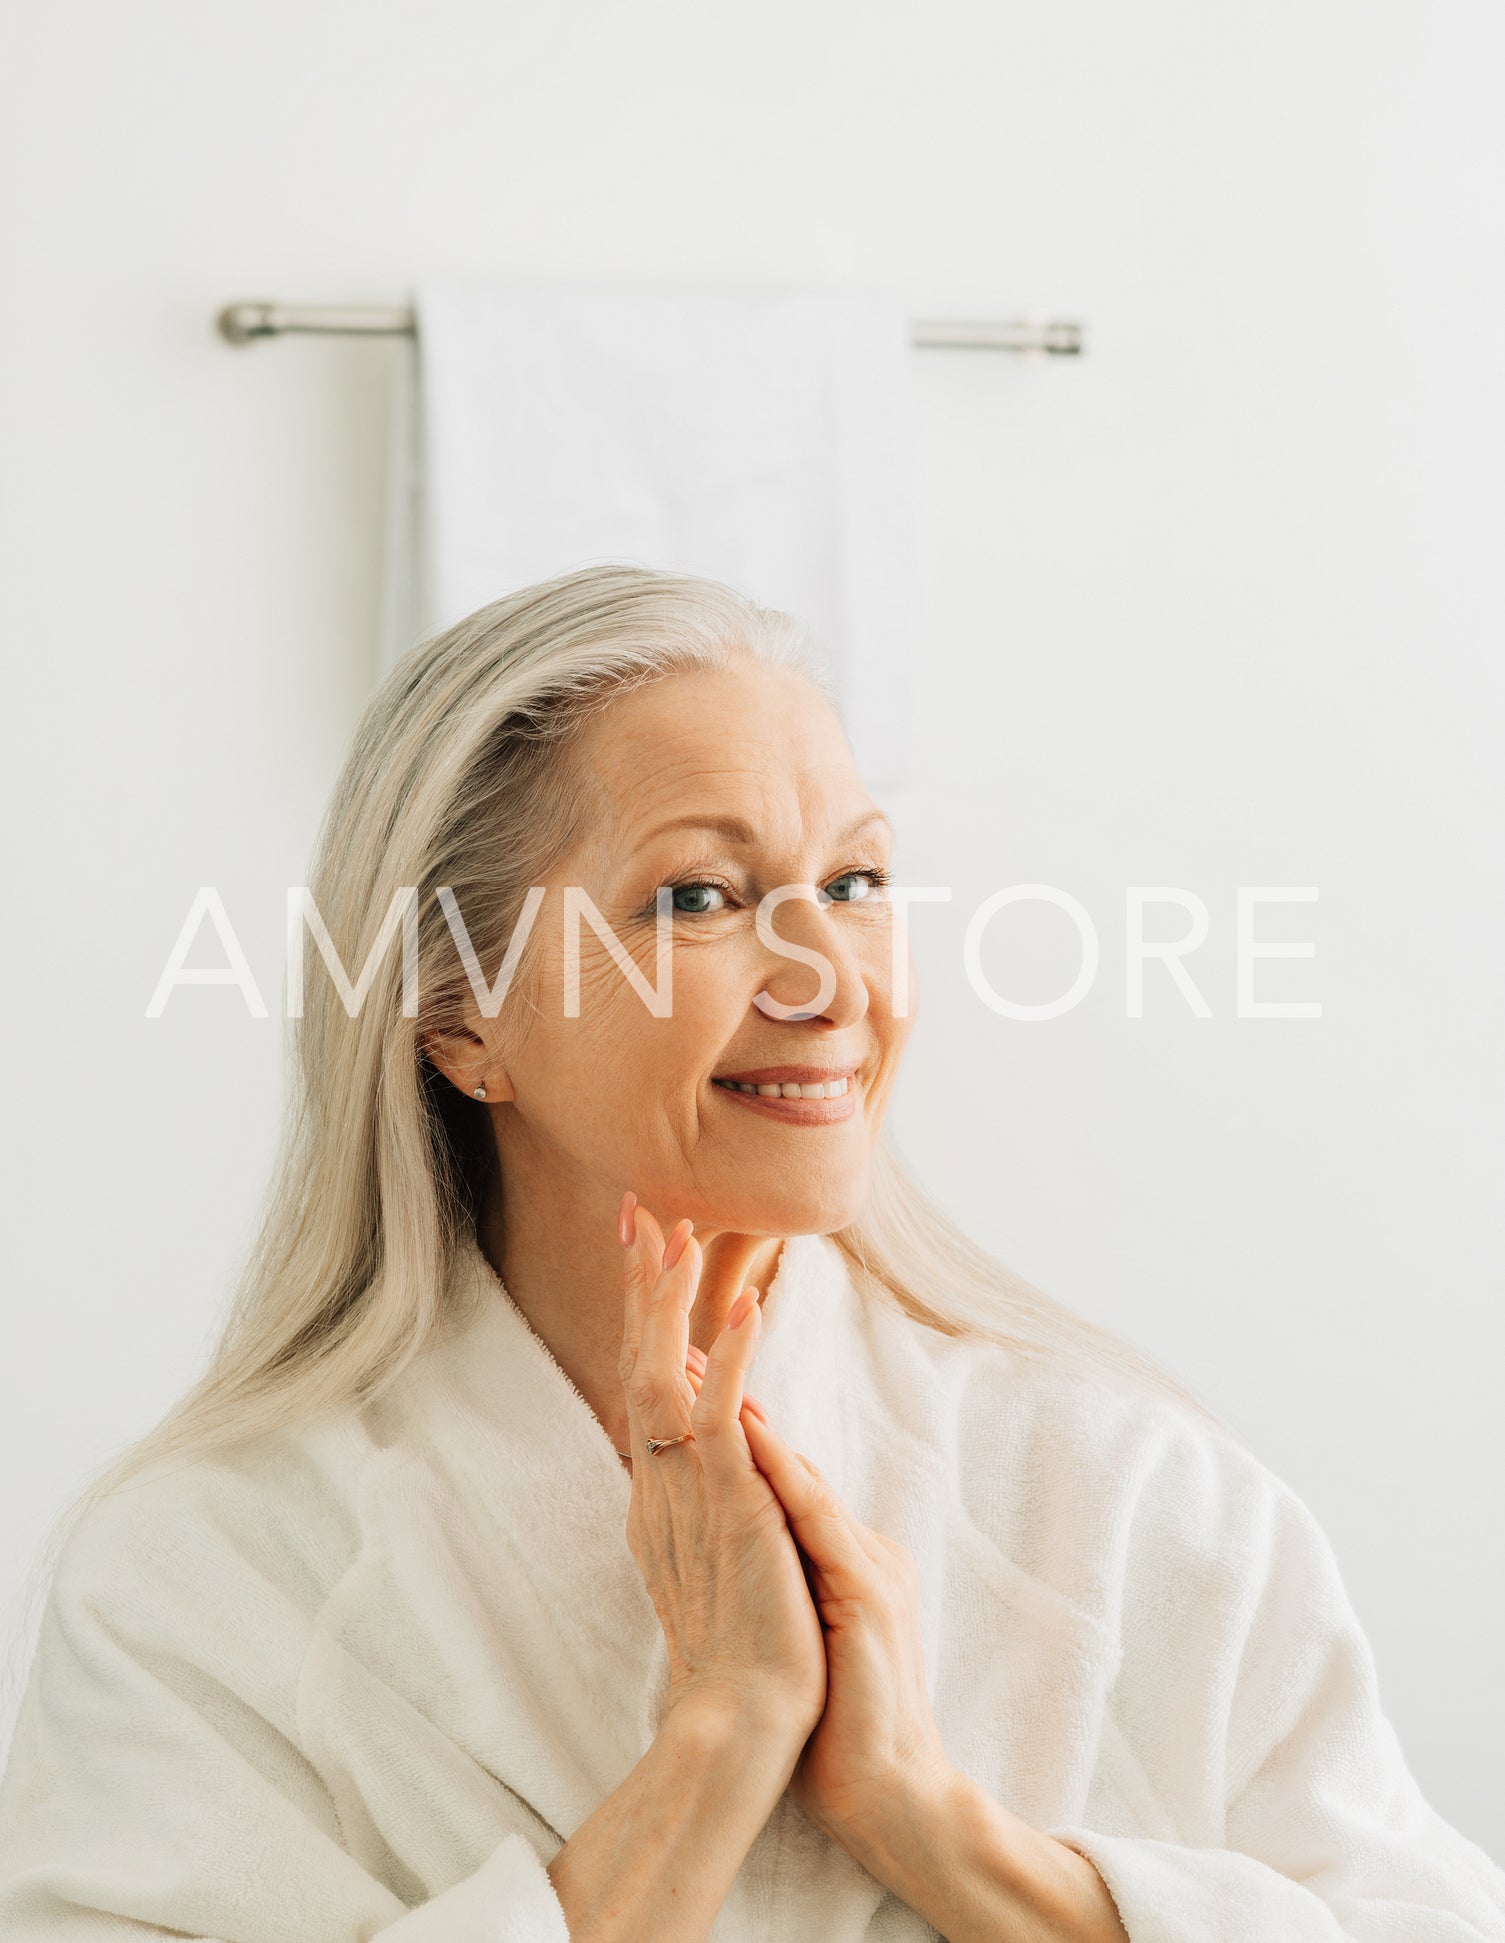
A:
{"points": [[627, 1220], [677, 1241]]}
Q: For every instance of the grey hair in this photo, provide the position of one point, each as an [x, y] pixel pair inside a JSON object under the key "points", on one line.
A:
{"points": [[381, 1160]]}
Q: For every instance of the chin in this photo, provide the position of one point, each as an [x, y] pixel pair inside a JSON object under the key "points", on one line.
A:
{"points": [[815, 1208]]}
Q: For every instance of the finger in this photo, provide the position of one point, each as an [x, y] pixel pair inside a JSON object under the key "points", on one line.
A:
{"points": [[642, 1265], [872, 1542], [821, 1523], [718, 1406], [659, 1393], [695, 1370]]}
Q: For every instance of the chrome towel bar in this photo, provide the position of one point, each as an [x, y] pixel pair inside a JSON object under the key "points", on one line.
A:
{"points": [[245, 323]]}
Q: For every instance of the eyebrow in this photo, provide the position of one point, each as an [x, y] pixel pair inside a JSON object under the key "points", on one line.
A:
{"points": [[735, 830]]}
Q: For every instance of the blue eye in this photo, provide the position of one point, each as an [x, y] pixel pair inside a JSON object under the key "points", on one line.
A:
{"points": [[695, 890], [876, 880]]}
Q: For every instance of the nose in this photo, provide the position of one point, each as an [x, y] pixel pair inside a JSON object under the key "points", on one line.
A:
{"points": [[818, 953], [770, 1007]]}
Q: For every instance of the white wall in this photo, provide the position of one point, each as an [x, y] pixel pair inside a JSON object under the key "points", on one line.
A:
{"points": [[1214, 606]]}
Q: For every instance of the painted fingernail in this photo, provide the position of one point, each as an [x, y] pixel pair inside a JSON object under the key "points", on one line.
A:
{"points": [[741, 1309], [677, 1241], [627, 1219]]}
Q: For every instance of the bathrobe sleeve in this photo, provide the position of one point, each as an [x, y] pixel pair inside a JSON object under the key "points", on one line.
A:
{"points": [[156, 1787], [1326, 1834]]}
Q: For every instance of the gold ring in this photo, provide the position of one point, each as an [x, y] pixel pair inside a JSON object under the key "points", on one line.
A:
{"points": [[657, 1444]]}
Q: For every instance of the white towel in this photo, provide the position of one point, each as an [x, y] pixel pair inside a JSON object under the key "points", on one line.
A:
{"points": [[761, 436]]}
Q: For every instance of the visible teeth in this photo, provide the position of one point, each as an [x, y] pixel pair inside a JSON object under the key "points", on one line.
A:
{"points": [[791, 1089]]}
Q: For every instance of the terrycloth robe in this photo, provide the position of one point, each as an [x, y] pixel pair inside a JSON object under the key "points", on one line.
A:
{"points": [[367, 1680]]}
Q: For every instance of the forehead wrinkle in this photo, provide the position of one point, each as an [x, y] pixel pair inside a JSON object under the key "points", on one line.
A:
{"points": [[762, 795], [736, 792]]}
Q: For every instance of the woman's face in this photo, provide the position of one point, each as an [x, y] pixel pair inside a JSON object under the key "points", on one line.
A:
{"points": [[723, 785]]}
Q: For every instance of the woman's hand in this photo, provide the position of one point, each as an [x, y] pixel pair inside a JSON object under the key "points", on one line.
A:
{"points": [[875, 1757], [874, 1775], [877, 1749], [704, 1525]]}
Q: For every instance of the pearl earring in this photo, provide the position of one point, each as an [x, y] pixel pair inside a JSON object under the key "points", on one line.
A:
{"points": [[480, 1092]]}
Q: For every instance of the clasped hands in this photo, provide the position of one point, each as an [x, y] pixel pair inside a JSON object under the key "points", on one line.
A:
{"points": [[765, 1583]]}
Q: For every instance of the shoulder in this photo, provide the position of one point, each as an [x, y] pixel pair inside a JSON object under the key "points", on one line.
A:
{"points": [[1195, 1553], [198, 1556], [1127, 1500]]}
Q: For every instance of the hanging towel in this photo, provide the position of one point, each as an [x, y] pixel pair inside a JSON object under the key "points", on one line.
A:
{"points": [[763, 437]]}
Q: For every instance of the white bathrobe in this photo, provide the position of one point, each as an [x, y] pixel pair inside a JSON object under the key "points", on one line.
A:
{"points": [[366, 1683]]}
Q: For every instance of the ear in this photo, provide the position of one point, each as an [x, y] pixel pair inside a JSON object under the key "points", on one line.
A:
{"points": [[464, 1060]]}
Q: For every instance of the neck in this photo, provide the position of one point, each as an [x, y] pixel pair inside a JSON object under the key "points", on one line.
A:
{"points": [[561, 1262]]}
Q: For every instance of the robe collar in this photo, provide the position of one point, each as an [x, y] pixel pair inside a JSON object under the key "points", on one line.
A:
{"points": [[810, 1309], [575, 1662]]}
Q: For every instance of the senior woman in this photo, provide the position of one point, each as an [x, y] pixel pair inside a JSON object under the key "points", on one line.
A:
{"points": [[471, 1593]]}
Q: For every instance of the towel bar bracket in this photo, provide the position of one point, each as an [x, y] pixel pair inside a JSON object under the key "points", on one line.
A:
{"points": [[247, 323]]}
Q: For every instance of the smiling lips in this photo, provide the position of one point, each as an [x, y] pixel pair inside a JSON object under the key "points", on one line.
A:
{"points": [[801, 1095]]}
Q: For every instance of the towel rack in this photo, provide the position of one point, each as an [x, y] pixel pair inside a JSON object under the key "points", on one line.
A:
{"points": [[244, 323]]}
